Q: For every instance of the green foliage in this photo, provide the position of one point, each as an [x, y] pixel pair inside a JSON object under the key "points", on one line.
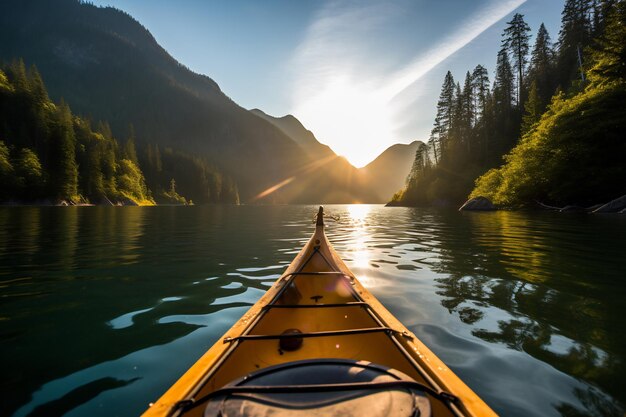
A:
{"points": [[130, 152], [574, 36], [131, 183], [609, 57], [50, 154], [533, 108], [62, 151], [29, 173], [574, 155], [171, 196], [571, 153], [6, 171], [196, 179], [6, 168], [5, 86]]}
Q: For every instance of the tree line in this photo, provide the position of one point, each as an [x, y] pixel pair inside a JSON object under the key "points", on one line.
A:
{"points": [[48, 154], [479, 122]]}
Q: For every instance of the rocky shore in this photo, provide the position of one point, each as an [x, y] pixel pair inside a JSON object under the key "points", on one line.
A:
{"points": [[617, 205]]}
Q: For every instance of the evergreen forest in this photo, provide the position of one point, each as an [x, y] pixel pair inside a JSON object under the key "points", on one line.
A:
{"points": [[551, 127], [48, 155]]}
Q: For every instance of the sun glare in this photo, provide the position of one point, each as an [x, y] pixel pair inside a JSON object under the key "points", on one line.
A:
{"points": [[354, 119], [358, 212], [360, 253]]}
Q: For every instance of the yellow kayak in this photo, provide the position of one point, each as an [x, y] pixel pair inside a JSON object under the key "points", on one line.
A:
{"points": [[318, 343]]}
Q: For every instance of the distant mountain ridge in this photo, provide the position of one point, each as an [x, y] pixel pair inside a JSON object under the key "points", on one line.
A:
{"points": [[107, 66], [296, 131], [387, 173], [383, 176]]}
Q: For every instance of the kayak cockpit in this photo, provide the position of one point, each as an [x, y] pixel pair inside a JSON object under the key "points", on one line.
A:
{"points": [[323, 387]]}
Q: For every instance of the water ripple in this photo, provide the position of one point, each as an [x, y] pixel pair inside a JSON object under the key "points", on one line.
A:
{"points": [[525, 307]]}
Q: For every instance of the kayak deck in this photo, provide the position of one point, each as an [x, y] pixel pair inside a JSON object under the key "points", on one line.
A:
{"points": [[336, 318]]}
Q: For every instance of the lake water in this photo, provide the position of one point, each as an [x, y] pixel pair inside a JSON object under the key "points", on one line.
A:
{"points": [[103, 308]]}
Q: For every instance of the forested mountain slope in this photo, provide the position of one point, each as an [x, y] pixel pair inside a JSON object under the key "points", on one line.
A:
{"points": [[48, 155], [107, 66]]}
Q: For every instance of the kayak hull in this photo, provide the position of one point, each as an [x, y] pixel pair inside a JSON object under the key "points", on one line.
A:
{"points": [[336, 317]]}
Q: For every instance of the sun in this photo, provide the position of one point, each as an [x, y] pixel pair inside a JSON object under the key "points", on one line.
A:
{"points": [[353, 119]]}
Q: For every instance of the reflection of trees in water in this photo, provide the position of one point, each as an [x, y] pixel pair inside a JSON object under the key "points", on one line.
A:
{"points": [[57, 266], [595, 404], [542, 297], [69, 272]]}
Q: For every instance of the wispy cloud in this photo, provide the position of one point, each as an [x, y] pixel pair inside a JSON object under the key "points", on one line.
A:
{"points": [[346, 71], [469, 31]]}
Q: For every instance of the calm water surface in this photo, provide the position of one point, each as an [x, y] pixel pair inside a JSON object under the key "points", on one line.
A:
{"points": [[102, 309]]}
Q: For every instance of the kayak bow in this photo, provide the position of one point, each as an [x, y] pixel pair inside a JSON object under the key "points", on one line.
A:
{"points": [[319, 343]]}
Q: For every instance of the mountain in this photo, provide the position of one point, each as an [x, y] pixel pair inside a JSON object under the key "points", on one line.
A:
{"points": [[386, 174], [382, 177], [339, 180], [298, 133], [107, 66]]}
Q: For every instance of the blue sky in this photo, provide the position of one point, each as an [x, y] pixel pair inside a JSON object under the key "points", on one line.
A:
{"points": [[361, 74]]}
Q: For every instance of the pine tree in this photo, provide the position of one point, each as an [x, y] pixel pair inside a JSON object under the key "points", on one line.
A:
{"points": [[130, 152], [574, 36], [515, 41], [19, 78], [89, 158], [172, 186], [29, 174], [443, 120], [609, 56], [601, 12], [7, 172], [503, 84], [480, 87], [455, 135], [105, 130], [469, 108], [503, 126], [433, 144], [37, 87], [64, 170], [420, 162], [533, 108], [541, 70], [468, 112]]}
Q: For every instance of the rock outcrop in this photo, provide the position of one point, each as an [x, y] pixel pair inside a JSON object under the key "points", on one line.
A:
{"points": [[614, 206], [478, 204], [573, 209]]}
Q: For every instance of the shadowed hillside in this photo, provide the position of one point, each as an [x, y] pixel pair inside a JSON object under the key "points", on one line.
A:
{"points": [[387, 173], [296, 131], [107, 66]]}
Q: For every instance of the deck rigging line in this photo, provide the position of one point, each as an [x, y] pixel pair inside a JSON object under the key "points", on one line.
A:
{"points": [[189, 404], [311, 334]]}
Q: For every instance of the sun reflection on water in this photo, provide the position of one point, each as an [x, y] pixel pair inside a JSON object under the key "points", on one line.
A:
{"points": [[360, 254], [358, 212]]}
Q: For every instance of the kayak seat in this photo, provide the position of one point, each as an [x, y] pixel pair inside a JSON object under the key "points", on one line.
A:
{"points": [[320, 387]]}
